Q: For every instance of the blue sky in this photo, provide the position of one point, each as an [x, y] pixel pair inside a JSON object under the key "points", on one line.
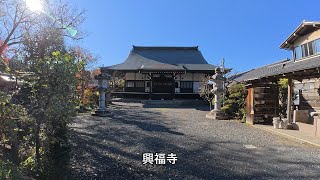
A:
{"points": [[247, 33]]}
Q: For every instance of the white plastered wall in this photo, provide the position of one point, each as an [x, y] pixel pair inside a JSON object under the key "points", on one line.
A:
{"points": [[129, 76], [135, 76], [186, 77], [307, 38]]}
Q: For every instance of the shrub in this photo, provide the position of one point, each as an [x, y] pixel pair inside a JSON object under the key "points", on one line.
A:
{"points": [[283, 96], [8, 171], [234, 105]]}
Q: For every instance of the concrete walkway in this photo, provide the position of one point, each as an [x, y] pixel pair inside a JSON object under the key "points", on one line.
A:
{"points": [[291, 134]]}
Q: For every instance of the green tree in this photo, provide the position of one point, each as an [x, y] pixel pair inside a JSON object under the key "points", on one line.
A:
{"points": [[53, 106], [34, 121], [234, 105], [51, 99], [12, 121], [283, 96], [86, 61]]}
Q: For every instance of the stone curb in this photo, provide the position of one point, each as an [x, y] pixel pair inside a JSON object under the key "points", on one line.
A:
{"points": [[287, 136]]}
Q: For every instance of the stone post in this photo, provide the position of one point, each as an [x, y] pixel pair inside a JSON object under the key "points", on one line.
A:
{"points": [[217, 101], [103, 80], [217, 90]]}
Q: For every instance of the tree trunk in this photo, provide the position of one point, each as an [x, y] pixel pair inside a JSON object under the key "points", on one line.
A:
{"points": [[15, 151], [37, 138], [5, 42], [82, 94], [82, 89]]}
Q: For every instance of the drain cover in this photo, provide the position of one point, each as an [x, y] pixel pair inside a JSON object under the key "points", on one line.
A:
{"points": [[250, 146]]}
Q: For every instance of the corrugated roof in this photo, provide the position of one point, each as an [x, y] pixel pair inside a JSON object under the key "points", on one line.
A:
{"points": [[164, 58]]}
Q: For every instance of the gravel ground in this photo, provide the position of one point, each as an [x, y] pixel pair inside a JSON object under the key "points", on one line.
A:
{"points": [[112, 147]]}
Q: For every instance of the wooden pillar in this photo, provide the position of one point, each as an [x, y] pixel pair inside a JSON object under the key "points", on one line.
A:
{"points": [[150, 88], [289, 105], [250, 105], [173, 87]]}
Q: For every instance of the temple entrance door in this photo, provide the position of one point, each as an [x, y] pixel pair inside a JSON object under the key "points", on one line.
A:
{"points": [[147, 86], [162, 84]]}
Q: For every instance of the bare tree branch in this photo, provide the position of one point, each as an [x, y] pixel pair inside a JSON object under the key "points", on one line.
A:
{"points": [[16, 20], [205, 90], [16, 37], [13, 43]]}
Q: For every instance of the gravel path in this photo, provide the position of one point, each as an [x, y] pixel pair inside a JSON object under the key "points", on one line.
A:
{"points": [[112, 148]]}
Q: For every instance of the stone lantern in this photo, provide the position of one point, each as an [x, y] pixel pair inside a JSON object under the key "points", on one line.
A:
{"points": [[103, 80], [217, 90]]}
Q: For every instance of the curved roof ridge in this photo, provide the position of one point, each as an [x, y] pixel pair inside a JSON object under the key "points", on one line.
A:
{"points": [[196, 48], [164, 58]]}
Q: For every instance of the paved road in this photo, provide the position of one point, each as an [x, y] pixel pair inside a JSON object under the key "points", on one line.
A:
{"points": [[112, 148]]}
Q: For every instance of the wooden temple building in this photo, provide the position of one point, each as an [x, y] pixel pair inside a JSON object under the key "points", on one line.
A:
{"points": [[162, 72], [303, 74]]}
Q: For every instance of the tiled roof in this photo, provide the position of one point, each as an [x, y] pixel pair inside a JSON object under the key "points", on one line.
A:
{"points": [[164, 58], [261, 72], [198, 67], [278, 68], [300, 65]]}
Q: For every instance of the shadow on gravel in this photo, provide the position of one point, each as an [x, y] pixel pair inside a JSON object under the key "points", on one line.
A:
{"points": [[112, 148], [200, 108], [134, 105], [146, 126]]}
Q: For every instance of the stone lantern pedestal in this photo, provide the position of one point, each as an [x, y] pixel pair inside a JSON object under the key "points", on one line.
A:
{"points": [[217, 90], [216, 113], [103, 80]]}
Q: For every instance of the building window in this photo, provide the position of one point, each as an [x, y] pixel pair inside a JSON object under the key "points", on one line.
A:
{"points": [[308, 49], [305, 51], [196, 86], [130, 84], [139, 84], [176, 84], [317, 46], [186, 84], [311, 48], [148, 83], [297, 52]]}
